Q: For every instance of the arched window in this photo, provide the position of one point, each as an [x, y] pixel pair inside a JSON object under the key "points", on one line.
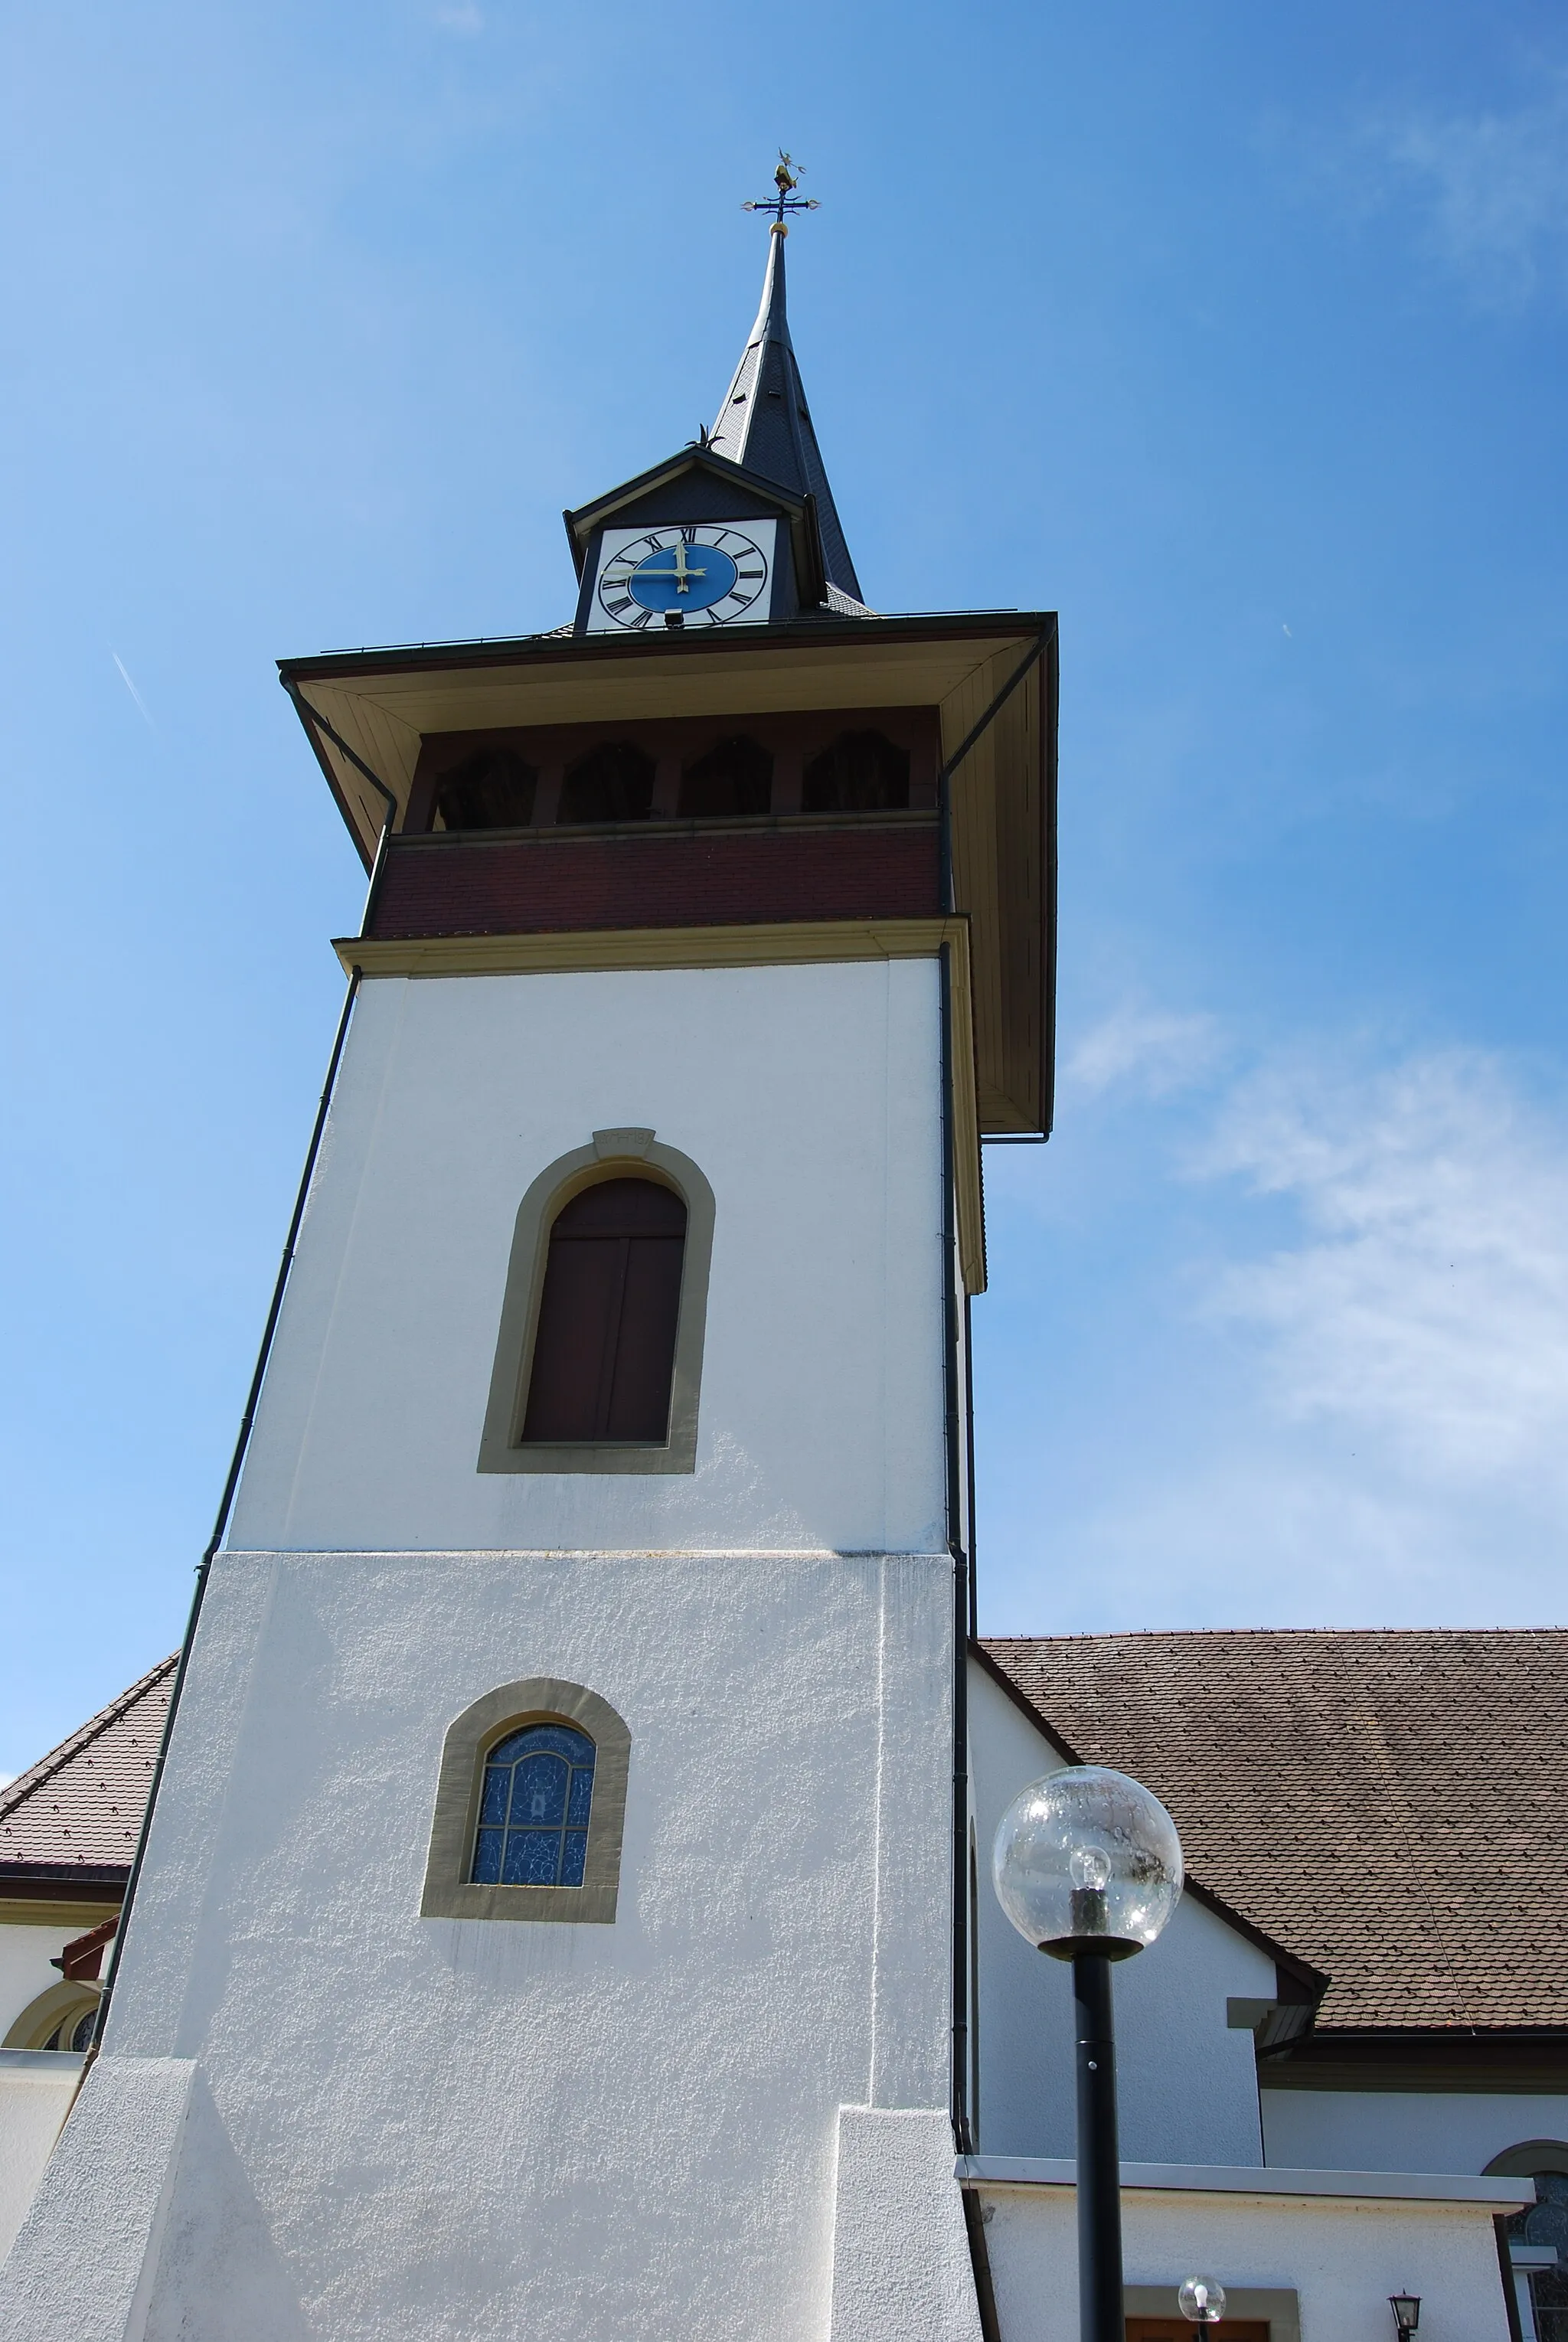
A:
{"points": [[534, 1808], [599, 1353], [605, 1353], [613, 782], [733, 778], [530, 1807], [1544, 2223], [63, 2018], [862, 772], [491, 789]]}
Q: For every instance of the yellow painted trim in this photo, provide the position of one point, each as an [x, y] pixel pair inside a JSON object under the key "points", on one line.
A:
{"points": [[787, 943], [21, 1911], [763, 945], [41, 2019]]}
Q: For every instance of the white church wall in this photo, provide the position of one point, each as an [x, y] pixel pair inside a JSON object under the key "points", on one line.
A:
{"points": [[901, 2271], [26, 1953], [1187, 2085], [1404, 2130], [82, 2265], [1342, 2256], [36, 2091], [627, 2129], [809, 1098]]}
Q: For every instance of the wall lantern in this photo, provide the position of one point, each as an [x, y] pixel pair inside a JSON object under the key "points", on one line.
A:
{"points": [[1088, 1867], [1406, 2309]]}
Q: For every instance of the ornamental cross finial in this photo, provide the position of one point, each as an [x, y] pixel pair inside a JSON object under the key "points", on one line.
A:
{"points": [[786, 178]]}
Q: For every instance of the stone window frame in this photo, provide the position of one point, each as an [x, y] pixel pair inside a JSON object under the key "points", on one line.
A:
{"points": [[449, 1892], [612, 1154], [73, 1999]]}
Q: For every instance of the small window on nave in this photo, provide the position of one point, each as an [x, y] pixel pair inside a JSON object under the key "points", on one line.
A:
{"points": [[534, 1804], [613, 782], [860, 772], [491, 789], [732, 779], [604, 1351]]}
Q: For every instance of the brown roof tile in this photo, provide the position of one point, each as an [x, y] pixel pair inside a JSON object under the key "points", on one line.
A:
{"points": [[1389, 1806], [81, 1807]]}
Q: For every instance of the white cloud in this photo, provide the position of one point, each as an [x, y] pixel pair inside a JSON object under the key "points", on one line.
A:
{"points": [[1321, 1379], [1150, 1050], [1495, 187], [1426, 1304]]}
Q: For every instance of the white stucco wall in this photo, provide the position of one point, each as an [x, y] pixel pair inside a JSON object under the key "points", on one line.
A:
{"points": [[1404, 2130], [808, 1095], [1187, 2086], [426, 2126], [35, 2089], [1343, 2259], [26, 1953], [85, 2258], [901, 2271], [430, 2127]]}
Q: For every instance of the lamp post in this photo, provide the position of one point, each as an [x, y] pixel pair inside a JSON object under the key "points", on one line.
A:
{"points": [[1088, 1867], [1406, 2309]]}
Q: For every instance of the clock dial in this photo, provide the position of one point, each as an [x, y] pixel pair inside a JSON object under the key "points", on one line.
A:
{"points": [[703, 572]]}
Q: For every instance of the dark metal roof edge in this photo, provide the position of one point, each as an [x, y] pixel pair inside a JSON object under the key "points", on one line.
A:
{"points": [[43, 1877], [1050, 718], [552, 649], [583, 519], [1334, 2037], [1291, 1962]]}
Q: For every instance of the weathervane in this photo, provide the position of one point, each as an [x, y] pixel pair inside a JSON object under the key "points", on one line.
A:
{"points": [[786, 178]]}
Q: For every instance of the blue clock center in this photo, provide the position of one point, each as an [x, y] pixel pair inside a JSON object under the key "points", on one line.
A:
{"points": [[683, 577]]}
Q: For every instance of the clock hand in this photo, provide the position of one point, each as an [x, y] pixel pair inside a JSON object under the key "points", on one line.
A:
{"points": [[681, 571]]}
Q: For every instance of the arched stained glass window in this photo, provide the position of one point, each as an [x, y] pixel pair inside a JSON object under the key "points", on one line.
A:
{"points": [[534, 1808]]}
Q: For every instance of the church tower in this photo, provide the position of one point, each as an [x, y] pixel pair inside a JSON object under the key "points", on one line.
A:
{"points": [[554, 1914]]}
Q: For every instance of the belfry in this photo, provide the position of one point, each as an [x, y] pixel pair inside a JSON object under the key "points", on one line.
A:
{"points": [[555, 1914]]}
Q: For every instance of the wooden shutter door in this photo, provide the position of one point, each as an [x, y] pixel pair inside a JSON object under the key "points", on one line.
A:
{"points": [[604, 1351]]}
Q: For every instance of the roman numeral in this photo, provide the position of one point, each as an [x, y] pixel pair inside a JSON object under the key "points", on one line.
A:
{"points": [[615, 609], [751, 573], [646, 619]]}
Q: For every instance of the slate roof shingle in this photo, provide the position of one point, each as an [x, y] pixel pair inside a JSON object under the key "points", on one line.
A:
{"points": [[81, 1807], [1390, 1806]]}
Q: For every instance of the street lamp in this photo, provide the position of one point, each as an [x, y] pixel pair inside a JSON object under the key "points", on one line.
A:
{"points": [[1202, 2300], [1088, 1867]]}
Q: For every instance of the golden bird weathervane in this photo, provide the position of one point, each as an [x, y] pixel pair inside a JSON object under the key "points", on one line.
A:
{"points": [[786, 178]]}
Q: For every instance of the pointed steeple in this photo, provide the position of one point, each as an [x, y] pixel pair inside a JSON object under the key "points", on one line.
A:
{"points": [[765, 424]]}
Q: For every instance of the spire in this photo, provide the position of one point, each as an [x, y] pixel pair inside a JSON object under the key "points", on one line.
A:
{"points": [[765, 424]]}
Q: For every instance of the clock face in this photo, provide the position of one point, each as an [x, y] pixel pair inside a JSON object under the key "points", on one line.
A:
{"points": [[706, 573]]}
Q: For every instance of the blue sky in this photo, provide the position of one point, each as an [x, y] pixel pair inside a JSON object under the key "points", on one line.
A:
{"points": [[1235, 335]]}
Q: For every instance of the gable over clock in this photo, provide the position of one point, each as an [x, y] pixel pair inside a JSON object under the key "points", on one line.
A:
{"points": [[698, 541]]}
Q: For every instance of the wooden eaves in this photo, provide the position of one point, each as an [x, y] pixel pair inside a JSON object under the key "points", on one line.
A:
{"points": [[382, 703]]}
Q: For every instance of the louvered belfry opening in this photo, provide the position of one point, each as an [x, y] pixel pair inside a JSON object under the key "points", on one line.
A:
{"points": [[604, 1352], [862, 772], [491, 789]]}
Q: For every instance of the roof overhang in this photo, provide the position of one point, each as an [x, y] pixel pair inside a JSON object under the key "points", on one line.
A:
{"points": [[382, 704]]}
